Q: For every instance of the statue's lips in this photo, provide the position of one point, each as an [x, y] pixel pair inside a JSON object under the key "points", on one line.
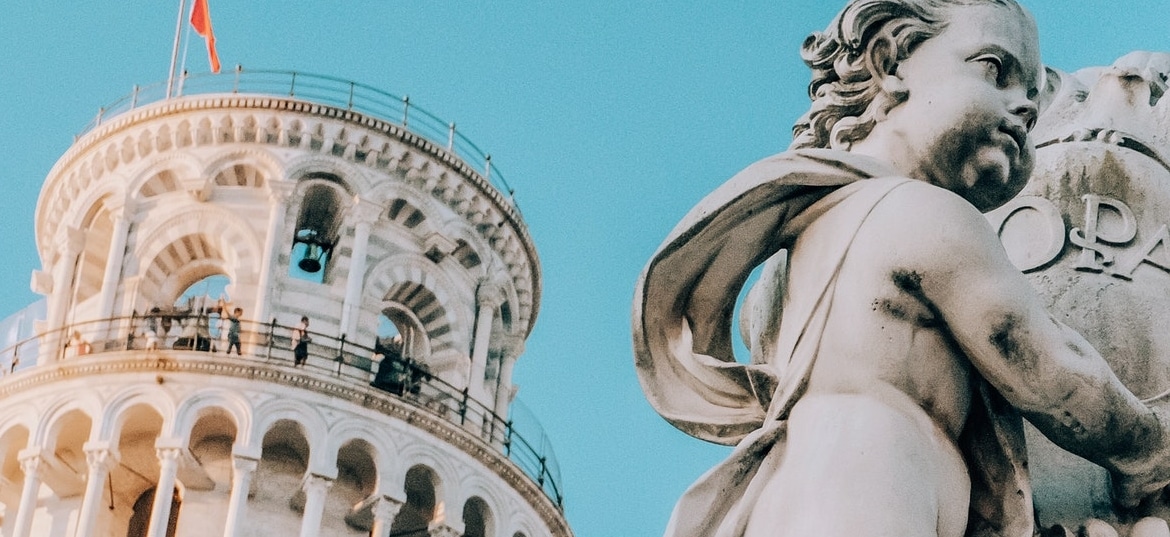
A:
{"points": [[1111, 137], [1018, 135]]}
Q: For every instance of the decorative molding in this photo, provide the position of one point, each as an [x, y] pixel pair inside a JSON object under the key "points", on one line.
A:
{"points": [[512, 242], [202, 363]]}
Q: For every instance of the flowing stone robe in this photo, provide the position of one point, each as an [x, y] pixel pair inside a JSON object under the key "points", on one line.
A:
{"points": [[682, 322]]}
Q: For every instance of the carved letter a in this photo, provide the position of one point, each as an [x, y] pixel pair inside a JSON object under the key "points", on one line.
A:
{"points": [[1162, 237]]}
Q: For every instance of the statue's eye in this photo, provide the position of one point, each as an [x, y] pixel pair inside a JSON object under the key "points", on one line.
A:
{"points": [[993, 67]]}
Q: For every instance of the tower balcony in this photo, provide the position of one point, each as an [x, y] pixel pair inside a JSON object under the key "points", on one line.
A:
{"points": [[342, 95], [171, 344]]}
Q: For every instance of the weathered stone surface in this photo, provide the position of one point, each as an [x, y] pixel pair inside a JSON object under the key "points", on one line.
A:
{"points": [[1089, 231]]}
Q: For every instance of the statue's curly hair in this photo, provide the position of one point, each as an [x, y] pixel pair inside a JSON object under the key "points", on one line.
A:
{"points": [[855, 54]]}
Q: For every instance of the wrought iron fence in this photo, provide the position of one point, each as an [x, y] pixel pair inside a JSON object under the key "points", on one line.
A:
{"points": [[326, 90], [519, 436]]}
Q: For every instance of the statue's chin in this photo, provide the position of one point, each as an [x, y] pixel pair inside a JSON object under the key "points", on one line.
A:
{"points": [[990, 200], [991, 190]]}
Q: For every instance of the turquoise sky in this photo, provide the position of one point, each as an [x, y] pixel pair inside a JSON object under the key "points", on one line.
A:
{"points": [[610, 120]]}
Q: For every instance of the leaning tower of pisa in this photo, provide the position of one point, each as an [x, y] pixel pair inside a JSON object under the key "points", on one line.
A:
{"points": [[143, 404]]}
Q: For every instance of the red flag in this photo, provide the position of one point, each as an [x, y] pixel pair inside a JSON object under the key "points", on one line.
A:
{"points": [[201, 21]]}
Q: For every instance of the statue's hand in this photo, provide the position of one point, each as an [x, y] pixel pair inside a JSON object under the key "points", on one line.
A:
{"points": [[1139, 480]]}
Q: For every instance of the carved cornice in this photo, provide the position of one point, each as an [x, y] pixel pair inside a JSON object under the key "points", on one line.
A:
{"points": [[483, 206], [201, 363]]}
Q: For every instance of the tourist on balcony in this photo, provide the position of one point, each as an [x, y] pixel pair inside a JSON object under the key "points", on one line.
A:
{"points": [[152, 328], [77, 345], [233, 331], [300, 342]]}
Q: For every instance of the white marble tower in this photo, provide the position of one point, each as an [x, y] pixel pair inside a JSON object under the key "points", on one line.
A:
{"points": [[422, 286]]}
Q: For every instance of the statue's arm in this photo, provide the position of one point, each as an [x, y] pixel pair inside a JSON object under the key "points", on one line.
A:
{"points": [[1049, 372]]}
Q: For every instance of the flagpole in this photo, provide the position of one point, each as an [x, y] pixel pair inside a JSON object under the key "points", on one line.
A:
{"points": [[183, 63], [175, 48]]}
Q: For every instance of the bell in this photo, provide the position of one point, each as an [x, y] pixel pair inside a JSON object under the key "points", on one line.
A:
{"points": [[311, 262]]}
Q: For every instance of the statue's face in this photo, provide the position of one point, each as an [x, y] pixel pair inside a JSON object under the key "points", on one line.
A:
{"points": [[971, 103]]}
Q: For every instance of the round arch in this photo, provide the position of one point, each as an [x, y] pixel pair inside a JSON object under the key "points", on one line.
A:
{"points": [[424, 500], [353, 428], [85, 402], [179, 164], [195, 406], [227, 245], [12, 441], [259, 158], [474, 486], [19, 415], [349, 175], [445, 470], [410, 281], [479, 519], [117, 410], [308, 418]]}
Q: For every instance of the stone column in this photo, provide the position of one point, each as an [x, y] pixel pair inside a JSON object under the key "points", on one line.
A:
{"points": [[487, 299], [160, 513], [70, 243], [242, 470], [100, 458], [315, 487], [60, 515], [30, 463], [115, 257], [278, 193], [363, 214], [506, 390], [384, 512]]}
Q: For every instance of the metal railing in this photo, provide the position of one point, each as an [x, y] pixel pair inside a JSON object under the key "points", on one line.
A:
{"points": [[326, 90], [519, 437]]}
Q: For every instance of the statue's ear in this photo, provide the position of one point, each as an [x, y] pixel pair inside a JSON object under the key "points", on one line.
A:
{"points": [[881, 56], [893, 93], [895, 87], [881, 60]]}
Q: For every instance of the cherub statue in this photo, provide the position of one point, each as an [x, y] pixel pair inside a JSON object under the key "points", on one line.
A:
{"points": [[894, 349]]}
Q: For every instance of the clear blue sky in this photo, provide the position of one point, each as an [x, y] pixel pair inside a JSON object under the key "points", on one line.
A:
{"points": [[610, 119]]}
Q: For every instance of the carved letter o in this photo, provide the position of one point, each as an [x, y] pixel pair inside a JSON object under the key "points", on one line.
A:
{"points": [[1031, 242]]}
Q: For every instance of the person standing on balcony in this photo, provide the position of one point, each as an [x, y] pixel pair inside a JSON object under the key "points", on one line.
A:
{"points": [[300, 342], [152, 326], [233, 331], [77, 345]]}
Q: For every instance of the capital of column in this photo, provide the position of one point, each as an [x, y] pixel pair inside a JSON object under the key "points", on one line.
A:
{"points": [[316, 483], [241, 463], [168, 454], [386, 509], [120, 206], [513, 346], [489, 295], [30, 460], [69, 240], [279, 192], [100, 455], [364, 211]]}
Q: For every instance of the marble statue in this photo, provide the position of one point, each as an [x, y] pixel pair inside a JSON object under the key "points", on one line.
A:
{"points": [[895, 350]]}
